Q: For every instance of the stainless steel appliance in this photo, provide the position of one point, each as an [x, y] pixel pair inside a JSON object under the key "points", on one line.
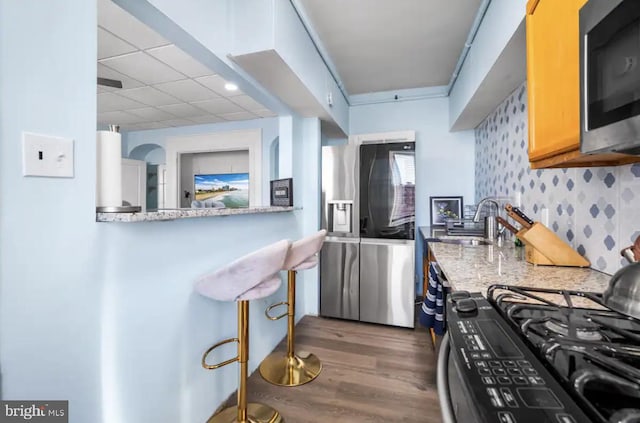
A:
{"points": [[610, 76], [623, 293], [368, 208], [538, 355], [340, 278]]}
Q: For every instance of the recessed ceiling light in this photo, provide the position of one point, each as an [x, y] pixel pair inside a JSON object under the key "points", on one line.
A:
{"points": [[230, 86]]}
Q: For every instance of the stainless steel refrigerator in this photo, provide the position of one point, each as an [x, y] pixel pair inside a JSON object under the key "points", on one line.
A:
{"points": [[368, 208]]}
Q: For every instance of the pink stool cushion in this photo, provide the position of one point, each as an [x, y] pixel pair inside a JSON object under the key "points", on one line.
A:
{"points": [[263, 289], [308, 263], [302, 254], [247, 278]]}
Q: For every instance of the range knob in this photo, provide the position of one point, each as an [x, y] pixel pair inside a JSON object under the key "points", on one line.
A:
{"points": [[459, 295], [466, 305]]}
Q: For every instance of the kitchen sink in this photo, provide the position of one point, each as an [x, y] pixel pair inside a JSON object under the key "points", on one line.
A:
{"points": [[465, 241]]}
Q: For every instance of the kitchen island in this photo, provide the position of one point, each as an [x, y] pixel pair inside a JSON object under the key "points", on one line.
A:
{"points": [[475, 268]]}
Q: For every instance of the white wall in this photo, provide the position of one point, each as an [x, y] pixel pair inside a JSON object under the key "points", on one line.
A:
{"points": [[444, 161], [223, 162]]}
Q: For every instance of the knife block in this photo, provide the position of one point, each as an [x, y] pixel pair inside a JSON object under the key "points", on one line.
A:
{"points": [[543, 247]]}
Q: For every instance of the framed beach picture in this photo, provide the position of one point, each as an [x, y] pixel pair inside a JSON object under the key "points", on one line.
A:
{"points": [[442, 208], [222, 190]]}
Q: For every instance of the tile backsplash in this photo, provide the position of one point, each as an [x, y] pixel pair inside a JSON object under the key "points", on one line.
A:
{"points": [[596, 210]]}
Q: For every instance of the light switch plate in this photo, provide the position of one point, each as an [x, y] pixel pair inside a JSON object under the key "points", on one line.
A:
{"points": [[544, 216], [46, 155], [517, 199]]}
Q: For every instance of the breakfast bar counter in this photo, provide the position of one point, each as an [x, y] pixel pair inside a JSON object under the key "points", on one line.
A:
{"points": [[174, 214]]}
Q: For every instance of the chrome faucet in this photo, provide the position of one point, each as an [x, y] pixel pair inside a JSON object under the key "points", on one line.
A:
{"points": [[476, 217], [490, 222]]}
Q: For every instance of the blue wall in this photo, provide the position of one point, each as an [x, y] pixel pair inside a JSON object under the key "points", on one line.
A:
{"points": [[50, 247], [101, 314], [498, 26], [445, 161], [155, 321], [268, 126], [229, 28]]}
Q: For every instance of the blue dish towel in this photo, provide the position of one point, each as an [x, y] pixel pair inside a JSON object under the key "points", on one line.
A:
{"points": [[432, 311]]}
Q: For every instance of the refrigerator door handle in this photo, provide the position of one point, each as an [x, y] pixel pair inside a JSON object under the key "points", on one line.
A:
{"points": [[342, 239], [382, 241]]}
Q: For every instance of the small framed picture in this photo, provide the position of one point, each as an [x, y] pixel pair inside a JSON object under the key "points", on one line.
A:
{"points": [[443, 208], [282, 192]]}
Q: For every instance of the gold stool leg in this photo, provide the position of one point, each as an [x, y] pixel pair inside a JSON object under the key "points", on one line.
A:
{"points": [[433, 338], [245, 413], [291, 369]]}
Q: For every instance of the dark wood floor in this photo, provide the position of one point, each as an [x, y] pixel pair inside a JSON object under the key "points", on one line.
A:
{"points": [[371, 373]]}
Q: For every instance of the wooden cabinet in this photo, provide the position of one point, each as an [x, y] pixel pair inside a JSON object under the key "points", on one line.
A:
{"points": [[553, 75]]}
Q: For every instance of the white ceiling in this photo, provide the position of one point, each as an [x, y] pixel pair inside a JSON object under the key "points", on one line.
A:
{"points": [[162, 85], [384, 45]]}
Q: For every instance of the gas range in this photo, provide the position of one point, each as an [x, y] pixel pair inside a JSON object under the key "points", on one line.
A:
{"points": [[542, 355]]}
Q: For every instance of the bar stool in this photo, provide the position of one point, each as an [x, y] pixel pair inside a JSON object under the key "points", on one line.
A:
{"points": [[251, 277], [293, 369]]}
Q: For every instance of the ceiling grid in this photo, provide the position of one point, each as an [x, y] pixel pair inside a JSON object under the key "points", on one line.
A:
{"points": [[162, 86]]}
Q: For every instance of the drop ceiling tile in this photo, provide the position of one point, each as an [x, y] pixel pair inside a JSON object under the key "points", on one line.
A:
{"points": [[151, 114], [206, 119], [109, 102], [237, 116], [187, 90], [149, 96], [105, 72], [117, 118], [119, 22], [145, 126], [109, 45], [129, 126], [178, 122], [247, 103], [216, 83], [182, 110], [264, 113], [180, 61], [143, 67], [218, 106]]}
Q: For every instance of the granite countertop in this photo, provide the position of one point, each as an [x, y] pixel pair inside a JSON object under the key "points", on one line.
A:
{"points": [[173, 214], [475, 268]]}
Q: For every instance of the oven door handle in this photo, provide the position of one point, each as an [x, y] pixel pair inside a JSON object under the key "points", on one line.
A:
{"points": [[443, 381]]}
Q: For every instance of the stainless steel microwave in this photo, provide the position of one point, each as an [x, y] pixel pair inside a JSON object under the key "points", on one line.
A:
{"points": [[610, 76]]}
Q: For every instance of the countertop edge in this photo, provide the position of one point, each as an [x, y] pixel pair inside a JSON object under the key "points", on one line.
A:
{"points": [[474, 269], [175, 214]]}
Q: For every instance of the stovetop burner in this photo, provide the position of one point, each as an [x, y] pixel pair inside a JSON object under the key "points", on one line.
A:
{"points": [[594, 351], [559, 328]]}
